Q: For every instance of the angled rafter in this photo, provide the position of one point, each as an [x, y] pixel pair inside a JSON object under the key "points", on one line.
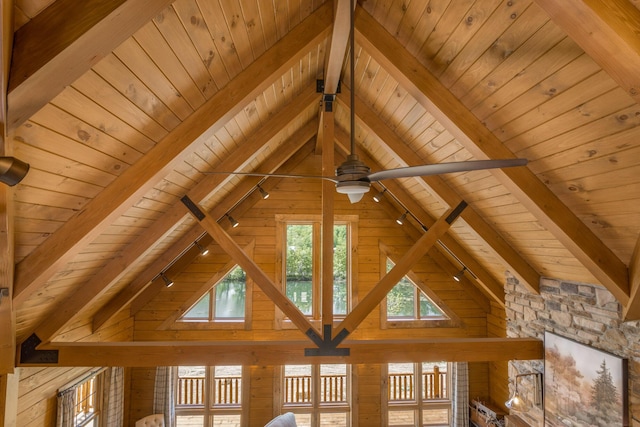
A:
{"points": [[402, 267], [130, 292], [176, 353], [449, 197], [86, 32], [69, 308], [482, 144], [607, 31], [486, 282], [33, 271]]}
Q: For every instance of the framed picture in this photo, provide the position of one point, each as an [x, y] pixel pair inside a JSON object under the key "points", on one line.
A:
{"points": [[583, 386]]}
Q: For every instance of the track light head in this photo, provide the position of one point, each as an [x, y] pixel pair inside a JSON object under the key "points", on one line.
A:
{"points": [[378, 197], [233, 222], [401, 218], [263, 193], [203, 251], [458, 276], [12, 170], [167, 282]]}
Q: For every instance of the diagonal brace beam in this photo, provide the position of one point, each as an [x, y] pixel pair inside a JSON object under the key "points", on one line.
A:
{"points": [[382, 288], [253, 270]]}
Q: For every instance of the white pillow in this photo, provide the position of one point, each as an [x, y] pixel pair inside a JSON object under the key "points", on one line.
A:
{"points": [[284, 420]]}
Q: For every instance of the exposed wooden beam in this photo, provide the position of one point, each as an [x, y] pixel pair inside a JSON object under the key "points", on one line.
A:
{"points": [[394, 145], [607, 31], [34, 270], [293, 144], [486, 282], [328, 192], [338, 47], [402, 267], [6, 46], [63, 42], [632, 310], [151, 354], [554, 215]]}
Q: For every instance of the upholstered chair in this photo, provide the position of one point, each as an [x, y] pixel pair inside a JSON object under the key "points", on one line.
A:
{"points": [[155, 420]]}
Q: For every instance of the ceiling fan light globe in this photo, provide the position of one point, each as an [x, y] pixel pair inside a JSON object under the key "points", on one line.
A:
{"points": [[353, 189]]}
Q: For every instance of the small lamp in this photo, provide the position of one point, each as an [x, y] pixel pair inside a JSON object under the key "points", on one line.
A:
{"points": [[263, 192], [517, 403], [203, 251], [401, 219], [458, 276], [233, 222], [378, 197], [167, 282]]}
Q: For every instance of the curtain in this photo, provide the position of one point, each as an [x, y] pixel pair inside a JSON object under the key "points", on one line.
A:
{"points": [[66, 408], [113, 397], [163, 394], [460, 395]]}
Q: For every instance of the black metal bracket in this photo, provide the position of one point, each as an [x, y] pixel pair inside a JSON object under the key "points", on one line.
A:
{"points": [[326, 345], [456, 212], [29, 353], [320, 86], [195, 210]]}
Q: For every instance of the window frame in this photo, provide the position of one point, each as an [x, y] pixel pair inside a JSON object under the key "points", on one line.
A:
{"points": [[449, 318], [316, 407], [176, 322], [282, 221], [209, 409], [418, 405]]}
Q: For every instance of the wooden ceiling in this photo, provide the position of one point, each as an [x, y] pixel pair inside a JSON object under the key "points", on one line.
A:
{"points": [[123, 107]]}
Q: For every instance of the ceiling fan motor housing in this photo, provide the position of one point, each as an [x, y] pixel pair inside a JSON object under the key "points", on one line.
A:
{"points": [[352, 178]]}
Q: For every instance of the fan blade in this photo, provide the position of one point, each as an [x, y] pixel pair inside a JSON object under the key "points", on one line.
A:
{"points": [[272, 175], [440, 168]]}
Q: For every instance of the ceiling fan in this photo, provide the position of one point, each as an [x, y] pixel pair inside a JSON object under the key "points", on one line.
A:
{"points": [[354, 177]]}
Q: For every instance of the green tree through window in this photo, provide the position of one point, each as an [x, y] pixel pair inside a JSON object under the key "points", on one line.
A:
{"points": [[406, 301]]}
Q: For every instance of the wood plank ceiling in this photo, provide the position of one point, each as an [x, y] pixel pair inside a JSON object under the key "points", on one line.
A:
{"points": [[123, 107]]}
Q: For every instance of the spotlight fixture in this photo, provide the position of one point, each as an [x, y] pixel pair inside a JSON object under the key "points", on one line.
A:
{"points": [[401, 218], [167, 282], [517, 403], [263, 192], [233, 222], [203, 251], [12, 170], [458, 276], [378, 197]]}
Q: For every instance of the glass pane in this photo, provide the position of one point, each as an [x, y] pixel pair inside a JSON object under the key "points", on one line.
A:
{"points": [[189, 420], [86, 401], [333, 420], [297, 384], [190, 386], [333, 384], [434, 380], [226, 420], [401, 299], [299, 266], [401, 382], [303, 420], [340, 262], [227, 385], [200, 310], [428, 308], [402, 418], [230, 295], [435, 417]]}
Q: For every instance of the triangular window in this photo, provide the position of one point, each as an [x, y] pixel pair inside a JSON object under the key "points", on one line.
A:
{"points": [[226, 301], [407, 302]]}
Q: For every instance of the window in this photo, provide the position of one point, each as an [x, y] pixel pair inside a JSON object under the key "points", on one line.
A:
{"points": [[208, 396], [300, 273], [418, 394], [88, 398], [407, 302], [318, 395], [411, 303], [224, 302]]}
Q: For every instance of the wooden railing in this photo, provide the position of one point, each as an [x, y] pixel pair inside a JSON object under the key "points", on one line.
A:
{"points": [[401, 386], [333, 388], [191, 391]]}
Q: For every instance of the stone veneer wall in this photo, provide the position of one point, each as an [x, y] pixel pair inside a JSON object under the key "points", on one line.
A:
{"points": [[582, 312]]}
